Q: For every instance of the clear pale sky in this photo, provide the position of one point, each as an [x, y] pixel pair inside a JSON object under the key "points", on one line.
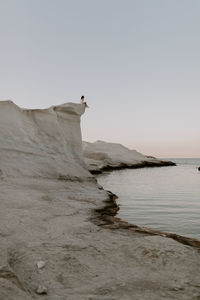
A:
{"points": [[136, 61]]}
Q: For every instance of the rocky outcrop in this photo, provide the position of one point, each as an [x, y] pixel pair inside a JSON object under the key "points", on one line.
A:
{"points": [[101, 156], [41, 142], [59, 236]]}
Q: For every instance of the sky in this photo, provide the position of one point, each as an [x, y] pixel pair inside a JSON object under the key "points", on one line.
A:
{"points": [[136, 61]]}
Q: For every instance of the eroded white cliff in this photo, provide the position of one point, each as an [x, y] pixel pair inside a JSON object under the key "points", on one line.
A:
{"points": [[102, 155], [41, 142]]}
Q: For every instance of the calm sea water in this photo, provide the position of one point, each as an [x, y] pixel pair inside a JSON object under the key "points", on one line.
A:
{"points": [[166, 199]]}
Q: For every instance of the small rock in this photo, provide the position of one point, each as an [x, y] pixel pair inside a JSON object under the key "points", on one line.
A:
{"points": [[40, 264], [41, 290]]}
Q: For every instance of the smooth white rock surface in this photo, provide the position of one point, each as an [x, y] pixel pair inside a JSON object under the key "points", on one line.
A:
{"points": [[41, 142], [100, 154]]}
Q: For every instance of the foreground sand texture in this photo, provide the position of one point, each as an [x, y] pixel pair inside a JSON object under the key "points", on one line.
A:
{"points": [[101, 156], [55, 241]]}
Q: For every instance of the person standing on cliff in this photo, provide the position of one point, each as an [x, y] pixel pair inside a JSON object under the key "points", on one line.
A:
{"points": [[83, 101]]}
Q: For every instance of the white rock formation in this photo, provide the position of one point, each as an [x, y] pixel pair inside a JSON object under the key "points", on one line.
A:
{"points": [[41, 143], [40, 264], [48, 211], [101, 155]]}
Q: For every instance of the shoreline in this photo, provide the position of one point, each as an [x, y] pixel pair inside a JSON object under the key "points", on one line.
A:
{"points": [[88, 252], [108, 213], [106, 217], [58, 234], [143, 164]]}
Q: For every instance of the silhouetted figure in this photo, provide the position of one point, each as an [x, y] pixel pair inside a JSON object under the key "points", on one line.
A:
{"points": [[83, 101], [198, 168]]}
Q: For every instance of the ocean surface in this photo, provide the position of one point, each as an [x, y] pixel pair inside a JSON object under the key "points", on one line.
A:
{"points": [[165, 198]]}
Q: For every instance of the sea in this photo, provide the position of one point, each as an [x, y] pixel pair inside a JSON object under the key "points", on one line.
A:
{"points": [[163, 198]]}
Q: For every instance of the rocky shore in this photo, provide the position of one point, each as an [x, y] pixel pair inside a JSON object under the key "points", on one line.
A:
{"points": [[59, 236], [102, 156]]}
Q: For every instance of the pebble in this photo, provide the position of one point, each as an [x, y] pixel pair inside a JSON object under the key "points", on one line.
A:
{"points": [[40, 264], [41, 290]]}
